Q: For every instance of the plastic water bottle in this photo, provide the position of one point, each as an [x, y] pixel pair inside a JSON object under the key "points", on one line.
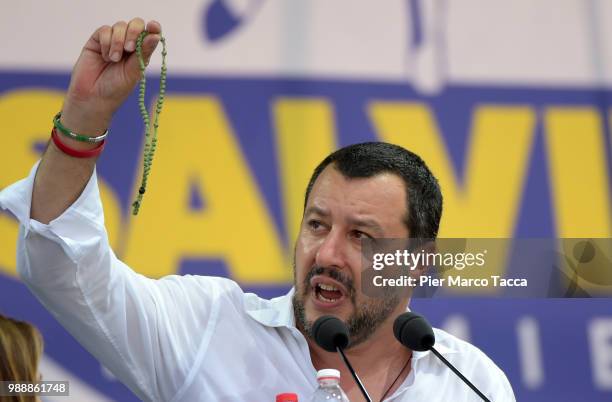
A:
{"points": [[329, 387]]}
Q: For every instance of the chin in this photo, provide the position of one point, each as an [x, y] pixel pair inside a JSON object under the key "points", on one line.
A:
{"points": [[314, 310]]}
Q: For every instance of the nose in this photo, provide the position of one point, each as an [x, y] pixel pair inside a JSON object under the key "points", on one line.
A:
{"points": [[331, 252]]}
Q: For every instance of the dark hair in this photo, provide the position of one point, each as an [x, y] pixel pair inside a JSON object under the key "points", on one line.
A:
{"points": [[368, 159]]}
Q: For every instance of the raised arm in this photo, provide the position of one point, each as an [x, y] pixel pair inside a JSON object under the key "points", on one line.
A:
{"points": [[103, 77], [146, 331]]}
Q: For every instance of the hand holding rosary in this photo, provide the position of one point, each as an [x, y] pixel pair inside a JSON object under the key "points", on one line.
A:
{"points": [[151, 124]]}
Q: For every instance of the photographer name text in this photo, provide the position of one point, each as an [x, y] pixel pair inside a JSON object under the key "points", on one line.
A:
{"points": [[450, 281]]}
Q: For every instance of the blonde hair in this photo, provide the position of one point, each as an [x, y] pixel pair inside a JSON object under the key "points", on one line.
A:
{"points": [[21, 346]]}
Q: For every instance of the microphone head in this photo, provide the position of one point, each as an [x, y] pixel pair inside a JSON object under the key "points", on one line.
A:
{"points": [[414, 332], [330, 332]]}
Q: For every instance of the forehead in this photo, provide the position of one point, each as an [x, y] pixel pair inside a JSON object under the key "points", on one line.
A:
{"points": [[382, 195]]}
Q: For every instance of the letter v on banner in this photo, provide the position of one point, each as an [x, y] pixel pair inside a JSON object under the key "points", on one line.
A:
{"points": [[486, 203]]}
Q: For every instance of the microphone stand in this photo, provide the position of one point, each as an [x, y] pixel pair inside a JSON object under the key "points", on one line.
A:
{"points": [[450, 366], [357, 380]]}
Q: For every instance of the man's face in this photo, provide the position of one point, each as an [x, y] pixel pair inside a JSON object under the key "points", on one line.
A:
{"points": [[327, 268]]}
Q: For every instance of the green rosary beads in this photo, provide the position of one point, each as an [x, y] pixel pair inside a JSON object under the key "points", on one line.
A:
{"points": [[150, 134]]}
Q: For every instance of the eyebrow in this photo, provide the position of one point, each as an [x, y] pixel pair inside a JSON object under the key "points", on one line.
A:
{"points": [[316, 210], [359, 222], [367, 223]]}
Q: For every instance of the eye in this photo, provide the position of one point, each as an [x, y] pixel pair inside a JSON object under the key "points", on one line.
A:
{"points": [[314, 224], [358, 234]]}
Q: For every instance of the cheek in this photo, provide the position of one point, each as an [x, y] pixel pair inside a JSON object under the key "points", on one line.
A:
{"points": [[356, 264], [304, 257], [307, 246]]}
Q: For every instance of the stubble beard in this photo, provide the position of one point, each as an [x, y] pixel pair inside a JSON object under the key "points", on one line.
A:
{"points": [[363, 321]]}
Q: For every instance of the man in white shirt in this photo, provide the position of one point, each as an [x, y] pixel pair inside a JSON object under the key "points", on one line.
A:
{"points": [[194, 338]]}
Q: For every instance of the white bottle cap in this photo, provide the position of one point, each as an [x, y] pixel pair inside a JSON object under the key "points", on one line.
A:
{"points": [[328, 373]]}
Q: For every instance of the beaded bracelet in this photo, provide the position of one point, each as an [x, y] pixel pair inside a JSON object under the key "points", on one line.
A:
{"points": [[75, 136], [77, 153]]}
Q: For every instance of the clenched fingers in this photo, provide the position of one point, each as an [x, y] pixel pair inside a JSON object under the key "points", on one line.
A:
{"points": [[134, 28], [103, 37], [113, 41], [117, 41]]}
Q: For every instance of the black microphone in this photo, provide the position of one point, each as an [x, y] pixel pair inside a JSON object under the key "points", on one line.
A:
{"points": [[331, 334], [414, 332]]}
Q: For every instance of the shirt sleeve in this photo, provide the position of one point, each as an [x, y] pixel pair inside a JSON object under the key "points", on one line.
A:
{"points": [[147, 332]]}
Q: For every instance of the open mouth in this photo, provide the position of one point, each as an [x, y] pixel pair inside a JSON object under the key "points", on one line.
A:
{"points": [[327, 291]]}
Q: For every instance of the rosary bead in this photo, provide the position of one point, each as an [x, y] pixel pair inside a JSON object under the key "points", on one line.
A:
{"points": [[150, 135]]}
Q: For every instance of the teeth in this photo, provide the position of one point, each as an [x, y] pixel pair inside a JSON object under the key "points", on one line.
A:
{"points": [[325, 299], [327, 287]]}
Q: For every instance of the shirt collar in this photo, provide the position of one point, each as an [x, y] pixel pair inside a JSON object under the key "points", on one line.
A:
{"points": [[277, 312]]}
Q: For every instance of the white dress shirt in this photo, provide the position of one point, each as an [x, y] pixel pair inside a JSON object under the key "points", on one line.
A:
{"points": [[195, 338]]}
